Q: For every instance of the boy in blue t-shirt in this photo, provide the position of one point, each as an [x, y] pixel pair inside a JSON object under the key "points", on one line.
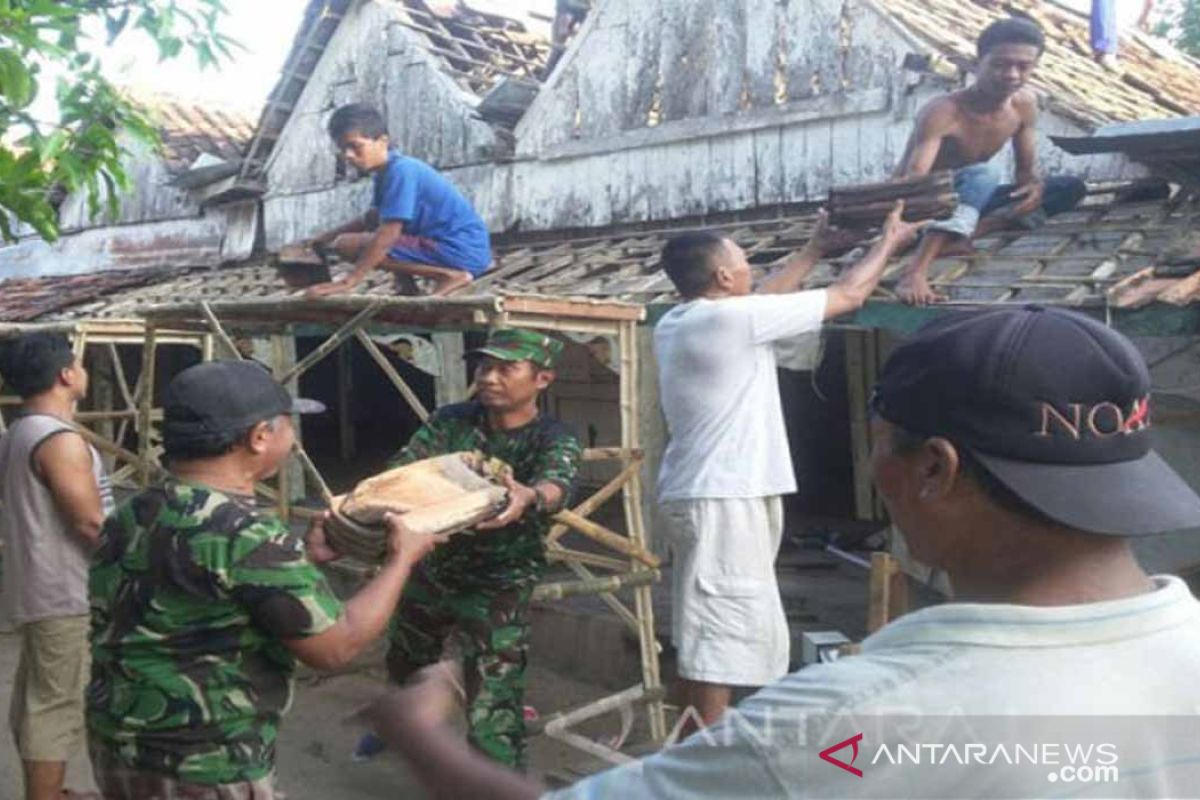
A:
{"points": [[419, 223]]}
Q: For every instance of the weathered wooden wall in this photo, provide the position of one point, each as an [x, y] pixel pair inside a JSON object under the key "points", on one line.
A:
{"points": [[151, 197], [670, 108], [373, 58]]}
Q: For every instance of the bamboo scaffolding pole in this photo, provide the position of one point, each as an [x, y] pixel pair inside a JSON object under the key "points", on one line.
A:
{"points": [[397, 380], [556, 552], [119, 374], [219, 331], [115, 450], [329, 345], [622, 544], [607, 584], [611, 600], [146, 401], [589, 506], [632, 498], [611, 454], [567, 719]]}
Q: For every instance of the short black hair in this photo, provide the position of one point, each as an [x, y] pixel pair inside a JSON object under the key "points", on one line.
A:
{"points": [[30, 363], [191, 448], [905, 441], [689, 260], [1012, 30], [357, 118]]}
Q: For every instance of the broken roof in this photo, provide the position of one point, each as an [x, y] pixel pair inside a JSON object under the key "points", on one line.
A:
{"points": [[477, 48], [1115, 250], [1151, 79], [190, 128]]}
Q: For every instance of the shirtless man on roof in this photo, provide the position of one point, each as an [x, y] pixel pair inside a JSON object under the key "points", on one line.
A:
{"points": [[963, 131]]}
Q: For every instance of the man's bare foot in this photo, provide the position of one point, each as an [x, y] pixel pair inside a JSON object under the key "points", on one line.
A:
{"points": [[450, 284], [916, 291]]}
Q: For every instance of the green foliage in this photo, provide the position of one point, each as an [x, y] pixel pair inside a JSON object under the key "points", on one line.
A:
{"points": [[79, 149], [1179, 23]]}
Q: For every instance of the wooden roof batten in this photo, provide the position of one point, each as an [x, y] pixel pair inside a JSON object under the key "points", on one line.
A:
{"points": [[583, 315]]}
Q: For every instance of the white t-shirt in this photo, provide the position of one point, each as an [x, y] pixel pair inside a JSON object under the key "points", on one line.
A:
{"points": [[1120, 676], [720, 394]]}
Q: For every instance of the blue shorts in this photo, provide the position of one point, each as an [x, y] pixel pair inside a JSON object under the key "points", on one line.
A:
{"points": [[419, 250]]}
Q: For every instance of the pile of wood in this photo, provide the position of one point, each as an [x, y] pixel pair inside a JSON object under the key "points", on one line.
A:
{"points": [[444, 494], [867, 205]]}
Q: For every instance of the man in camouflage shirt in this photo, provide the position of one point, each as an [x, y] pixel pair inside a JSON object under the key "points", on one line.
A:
{"points": [[201, 602], [479, 584]]}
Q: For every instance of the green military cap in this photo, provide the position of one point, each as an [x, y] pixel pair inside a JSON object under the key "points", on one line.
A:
{"points": [[519, 344]]}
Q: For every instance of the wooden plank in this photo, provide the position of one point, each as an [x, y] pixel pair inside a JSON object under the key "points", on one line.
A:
{"points": [[568, 308], [768, 167], [726, 67], [761, 55], [860, 446], [799, 112]]}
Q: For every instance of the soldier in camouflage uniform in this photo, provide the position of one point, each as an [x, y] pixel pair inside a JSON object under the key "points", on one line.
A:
{"points": [[479, 584], [201, 602]]}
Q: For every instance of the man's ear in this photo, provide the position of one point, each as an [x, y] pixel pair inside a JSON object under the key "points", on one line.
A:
{"points": [[544, 377], [258, 437], [941, 468]]}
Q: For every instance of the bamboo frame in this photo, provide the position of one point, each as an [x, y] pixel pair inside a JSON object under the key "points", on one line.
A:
{"points": [[105, 428], [630, 566]]}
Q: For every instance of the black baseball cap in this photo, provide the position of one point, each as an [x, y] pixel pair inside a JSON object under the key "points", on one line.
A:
{"points": [[1054, 404], [219, 397]]}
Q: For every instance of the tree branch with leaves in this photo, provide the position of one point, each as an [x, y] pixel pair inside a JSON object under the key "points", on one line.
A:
{"points": [[54, 45]]}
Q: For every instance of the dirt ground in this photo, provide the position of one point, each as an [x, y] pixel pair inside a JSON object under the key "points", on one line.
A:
{"points": [[314, 745]]}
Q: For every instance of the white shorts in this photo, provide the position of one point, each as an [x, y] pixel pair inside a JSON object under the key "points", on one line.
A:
{"points": [[727, 625]]}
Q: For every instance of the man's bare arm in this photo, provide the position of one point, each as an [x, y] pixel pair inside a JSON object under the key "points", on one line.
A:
{"points": [[365, 222], [854, 287], [65, 463], [792, 275], [921, 152]]}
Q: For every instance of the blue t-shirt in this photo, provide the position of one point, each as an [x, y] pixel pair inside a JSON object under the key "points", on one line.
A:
{"points": [[410, 191]]}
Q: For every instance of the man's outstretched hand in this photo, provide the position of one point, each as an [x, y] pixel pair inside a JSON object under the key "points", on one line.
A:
{"points": [[520, 499]]}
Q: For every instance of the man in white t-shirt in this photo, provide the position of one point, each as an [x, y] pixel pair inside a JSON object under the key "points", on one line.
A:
{"points": [[1012, 447], [727, 461]]}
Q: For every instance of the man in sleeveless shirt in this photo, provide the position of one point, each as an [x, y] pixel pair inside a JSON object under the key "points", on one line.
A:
{"points": [[53, 498]]}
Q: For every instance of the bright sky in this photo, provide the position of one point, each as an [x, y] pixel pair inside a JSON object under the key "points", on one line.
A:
{"points": [[265, 28]]}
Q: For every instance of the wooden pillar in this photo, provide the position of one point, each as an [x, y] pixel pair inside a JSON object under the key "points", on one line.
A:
{"points": [[345, 391], [451, 385], [862, 355]]}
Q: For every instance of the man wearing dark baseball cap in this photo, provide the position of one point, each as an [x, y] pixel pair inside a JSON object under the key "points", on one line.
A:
{"points": [[1012, 449], [201, 602]]}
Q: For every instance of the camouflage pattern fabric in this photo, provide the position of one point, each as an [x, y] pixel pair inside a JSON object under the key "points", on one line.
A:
{"points": [[479, 584], [492, 635], [545, 450], [521, 344], [192, 592], [117, 782]]}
